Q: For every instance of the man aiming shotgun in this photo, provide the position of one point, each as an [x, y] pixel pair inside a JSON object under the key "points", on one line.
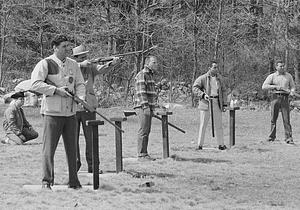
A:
{"points": [[209, 88], [89, 72]]}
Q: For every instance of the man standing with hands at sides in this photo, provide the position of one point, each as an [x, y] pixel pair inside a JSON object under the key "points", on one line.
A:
{"points": [[281, 85], [53, 77], [145, 100], [89, 72], [210, 86]]}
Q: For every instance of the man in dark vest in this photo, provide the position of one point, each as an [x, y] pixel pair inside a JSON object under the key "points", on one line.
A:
{"points": [[54, 77]]}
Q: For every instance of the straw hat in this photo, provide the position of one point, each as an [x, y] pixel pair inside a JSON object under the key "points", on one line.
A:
{"points": [[79, 50]]}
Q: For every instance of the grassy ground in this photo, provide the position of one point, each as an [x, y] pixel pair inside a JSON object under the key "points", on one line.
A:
{"points": [[251, 175]]}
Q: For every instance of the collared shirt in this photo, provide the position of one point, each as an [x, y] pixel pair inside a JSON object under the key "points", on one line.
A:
{"points": [[145, 94], [284, 81]]}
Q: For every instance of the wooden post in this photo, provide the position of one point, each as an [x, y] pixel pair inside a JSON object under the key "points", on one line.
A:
{"points": [[232, 125], [165, 132], [118, 140], [95, 149]]}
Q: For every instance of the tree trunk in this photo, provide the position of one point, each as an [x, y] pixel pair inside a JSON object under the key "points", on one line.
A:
{"points": [[286, 35], [41, 33], [138, 37], [297, 68], [195, 46], [2, 46], [218, 30]]}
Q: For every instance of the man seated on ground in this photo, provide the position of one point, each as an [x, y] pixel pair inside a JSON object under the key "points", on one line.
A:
{"points": [[17, 128]]}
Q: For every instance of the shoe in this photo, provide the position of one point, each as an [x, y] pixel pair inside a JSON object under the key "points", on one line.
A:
{"points": [[289, 141], [46, 186], [222, 147], [146, 158], [270, 140], [5, 141], [75, 187], [199, 148]]}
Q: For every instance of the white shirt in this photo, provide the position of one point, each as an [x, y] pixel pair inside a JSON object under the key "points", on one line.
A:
{"points": [[213, 86]]}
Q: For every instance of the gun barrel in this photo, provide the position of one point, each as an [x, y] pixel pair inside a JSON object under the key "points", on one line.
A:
{"points": [[170, 124]]}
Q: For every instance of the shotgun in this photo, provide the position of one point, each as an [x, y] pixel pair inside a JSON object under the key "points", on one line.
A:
{"points": [[128, 113], [212, 117], [110, 58], [85, 105]]}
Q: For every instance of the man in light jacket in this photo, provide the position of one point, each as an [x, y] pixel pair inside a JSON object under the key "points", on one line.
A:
{"points": [[209, 86], [55, 77]]}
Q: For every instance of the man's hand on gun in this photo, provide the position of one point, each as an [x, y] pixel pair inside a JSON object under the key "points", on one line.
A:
{"points": [[205, 97], [62, 91]]}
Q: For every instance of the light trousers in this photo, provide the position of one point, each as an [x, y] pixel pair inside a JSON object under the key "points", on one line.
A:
{"points": [[204, 119]]}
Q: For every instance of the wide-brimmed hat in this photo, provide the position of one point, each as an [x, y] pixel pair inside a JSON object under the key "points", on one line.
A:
{"points": [[79, 50], [18, 95]]}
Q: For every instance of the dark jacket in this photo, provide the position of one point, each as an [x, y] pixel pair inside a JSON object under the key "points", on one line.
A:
{"points": [[14, 120]]}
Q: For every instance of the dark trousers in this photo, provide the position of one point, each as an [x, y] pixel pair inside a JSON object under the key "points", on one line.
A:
{"points": [[28, 133], [280, 102], [144, 131], [82, 117], [54, 127]]}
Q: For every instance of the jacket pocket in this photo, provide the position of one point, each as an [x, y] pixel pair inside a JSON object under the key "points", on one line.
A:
{"points": [[203, 104], [53, 104]]}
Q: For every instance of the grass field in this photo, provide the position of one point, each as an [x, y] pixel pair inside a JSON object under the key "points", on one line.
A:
{"points": [[251, 175]]}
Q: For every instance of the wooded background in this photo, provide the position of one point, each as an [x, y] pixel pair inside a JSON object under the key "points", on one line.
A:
{"points": [[244, 36]]}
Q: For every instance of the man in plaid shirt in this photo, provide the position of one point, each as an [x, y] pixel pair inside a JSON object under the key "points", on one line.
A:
{"points": [[145, 99]]}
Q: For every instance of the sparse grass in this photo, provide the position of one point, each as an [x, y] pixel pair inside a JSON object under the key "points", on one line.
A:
{"points": [[250, 175]]}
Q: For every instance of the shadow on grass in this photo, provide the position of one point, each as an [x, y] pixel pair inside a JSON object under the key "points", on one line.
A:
{"points": [[136, 174], [199, 160]]}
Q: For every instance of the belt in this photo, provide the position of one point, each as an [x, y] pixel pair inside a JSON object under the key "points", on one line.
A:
{"points": [[213, 96]]}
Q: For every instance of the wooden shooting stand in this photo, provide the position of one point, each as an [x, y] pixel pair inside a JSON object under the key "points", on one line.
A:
{"points": [[118, 139], [165, 132], [95, 148], [232, 124]]}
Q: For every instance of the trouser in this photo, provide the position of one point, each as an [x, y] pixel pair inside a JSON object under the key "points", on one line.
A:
{"points": [[204, 118], [280, 102], [82, 117], [144, 131], [29, 134], [54, 127]]}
